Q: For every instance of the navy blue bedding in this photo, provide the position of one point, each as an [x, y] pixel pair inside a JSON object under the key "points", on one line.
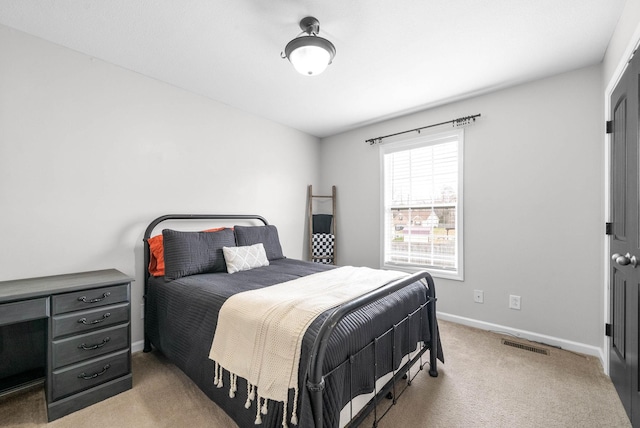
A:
{"points": [[182, 315]]}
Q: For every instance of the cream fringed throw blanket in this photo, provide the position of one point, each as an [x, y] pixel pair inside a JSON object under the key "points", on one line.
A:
{"points": [[259, 333]]}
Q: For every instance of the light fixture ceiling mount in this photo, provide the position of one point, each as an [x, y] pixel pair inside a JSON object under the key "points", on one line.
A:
{"points": [[309, 54]]}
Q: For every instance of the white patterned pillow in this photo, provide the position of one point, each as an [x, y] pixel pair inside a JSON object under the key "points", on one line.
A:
{"points": [[245, 258]]}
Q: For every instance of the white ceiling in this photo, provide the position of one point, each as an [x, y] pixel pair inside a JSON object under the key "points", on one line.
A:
{"points": [[393, 57]]}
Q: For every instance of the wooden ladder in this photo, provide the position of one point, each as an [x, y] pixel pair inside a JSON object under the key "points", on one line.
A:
{"points": [[311, 197]]}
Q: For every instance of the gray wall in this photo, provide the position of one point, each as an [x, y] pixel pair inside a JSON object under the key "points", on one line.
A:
{"points": [[533, 201], [91, 153]]}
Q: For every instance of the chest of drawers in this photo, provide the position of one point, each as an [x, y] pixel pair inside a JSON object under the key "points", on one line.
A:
{"points": [[88, 344]]}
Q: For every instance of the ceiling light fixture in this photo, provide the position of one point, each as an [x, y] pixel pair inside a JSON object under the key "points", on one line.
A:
{"points": [[309, 54]]}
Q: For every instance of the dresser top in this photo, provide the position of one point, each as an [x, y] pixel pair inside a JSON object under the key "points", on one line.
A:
{"points": [[20, 289]]}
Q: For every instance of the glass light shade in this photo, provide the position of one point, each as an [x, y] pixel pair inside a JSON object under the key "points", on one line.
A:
{"points": [[310, 60], [310, 55]]}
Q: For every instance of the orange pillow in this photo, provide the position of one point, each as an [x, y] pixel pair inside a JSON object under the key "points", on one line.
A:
{"points": [[156, 252]]}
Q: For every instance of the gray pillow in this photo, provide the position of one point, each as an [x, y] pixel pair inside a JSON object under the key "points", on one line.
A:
{"points": [[267, 235], [190, 253]]}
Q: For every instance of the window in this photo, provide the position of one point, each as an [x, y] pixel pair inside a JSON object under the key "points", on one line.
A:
{"points": [[422, 204]]}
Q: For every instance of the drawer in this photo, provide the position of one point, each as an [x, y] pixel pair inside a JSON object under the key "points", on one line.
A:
{"points": [[25, 310], [91, 298], [79, 377], [79, 322], [89, 345]]}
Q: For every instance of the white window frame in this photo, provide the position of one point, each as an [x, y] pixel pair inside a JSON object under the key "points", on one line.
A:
{"points": [[407, 144]]}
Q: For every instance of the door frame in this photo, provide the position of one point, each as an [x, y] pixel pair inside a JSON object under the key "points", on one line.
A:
{"points": [[632, 46]]}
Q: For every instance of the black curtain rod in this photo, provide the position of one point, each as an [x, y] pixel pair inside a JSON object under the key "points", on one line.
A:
{"points": [[456, 122]]}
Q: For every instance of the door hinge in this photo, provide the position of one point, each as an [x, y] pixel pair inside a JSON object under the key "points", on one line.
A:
{"points": [[607, 330], [609, 126], [608, 228]]}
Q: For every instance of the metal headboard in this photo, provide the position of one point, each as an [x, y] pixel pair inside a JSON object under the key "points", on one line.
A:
{"points": [[168, 217]]}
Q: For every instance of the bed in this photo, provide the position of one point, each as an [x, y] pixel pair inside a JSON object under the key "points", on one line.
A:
{"points": [[351, 357]]}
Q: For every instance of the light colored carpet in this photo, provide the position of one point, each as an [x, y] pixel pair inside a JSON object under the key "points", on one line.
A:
{"points": [[482, 384]]}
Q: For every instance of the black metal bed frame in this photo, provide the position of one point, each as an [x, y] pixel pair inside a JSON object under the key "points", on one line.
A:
{"points": [[316, 378]]}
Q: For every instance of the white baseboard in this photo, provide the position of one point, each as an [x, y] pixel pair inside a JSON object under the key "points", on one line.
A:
{"points": [[535, 337], [529, 335], [137, 346]]}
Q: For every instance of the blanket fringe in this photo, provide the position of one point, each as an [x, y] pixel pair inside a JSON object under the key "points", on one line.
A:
{"points": [[258, 420], [262, 406], [217, 375], [250, 395], [294, 411], [234, 385], [284, 413]]}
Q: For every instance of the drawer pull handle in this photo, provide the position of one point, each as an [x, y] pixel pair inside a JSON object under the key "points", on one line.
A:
{"points": [[97, 299], [96, 346], [99, 320], [84, 376]]}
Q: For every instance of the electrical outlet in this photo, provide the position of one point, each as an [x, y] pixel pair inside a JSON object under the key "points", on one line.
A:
{"points": [[514, 302], [478, 296]]}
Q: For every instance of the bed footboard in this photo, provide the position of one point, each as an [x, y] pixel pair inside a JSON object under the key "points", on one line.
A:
{"points": [[315, 381]]}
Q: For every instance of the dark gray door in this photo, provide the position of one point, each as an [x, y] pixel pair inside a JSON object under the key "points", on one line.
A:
{"points": [[624, 241]]}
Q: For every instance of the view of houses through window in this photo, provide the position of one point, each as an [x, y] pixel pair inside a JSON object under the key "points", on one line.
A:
{"points": [[422, 203], [421, 237]]}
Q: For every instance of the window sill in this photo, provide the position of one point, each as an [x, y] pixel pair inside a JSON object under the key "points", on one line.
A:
{"points": [[435, 273]]}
